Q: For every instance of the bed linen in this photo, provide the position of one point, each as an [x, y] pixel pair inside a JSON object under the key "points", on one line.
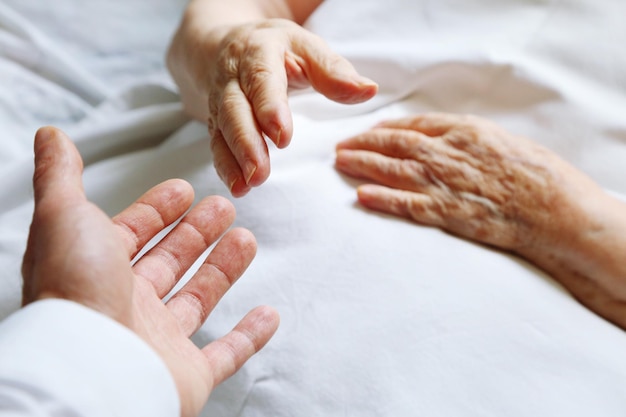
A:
{"points": [[380, 316]]}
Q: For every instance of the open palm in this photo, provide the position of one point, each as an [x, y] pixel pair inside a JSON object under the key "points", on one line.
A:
{"points": [[76, 252]]}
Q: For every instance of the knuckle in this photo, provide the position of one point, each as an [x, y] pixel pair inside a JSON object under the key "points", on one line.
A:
{"points": [[256, 79]]}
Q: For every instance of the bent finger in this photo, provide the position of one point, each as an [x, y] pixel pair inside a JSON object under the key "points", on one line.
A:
{"points": [[242, 134], [152, 212], [227, 354], [263, 80], [227, 166], [224, 265]]}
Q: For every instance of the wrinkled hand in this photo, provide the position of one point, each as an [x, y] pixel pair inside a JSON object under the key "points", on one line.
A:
{"points": [[476, 180], [76, 252], [247, 84], [467, 176]]}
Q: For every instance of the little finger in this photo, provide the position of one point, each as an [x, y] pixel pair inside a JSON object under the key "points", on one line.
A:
{"points": [[227, 354]]}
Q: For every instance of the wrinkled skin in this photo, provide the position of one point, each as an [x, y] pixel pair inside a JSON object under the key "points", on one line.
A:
{"points": [[76, 252], [460, 173], [472, 178], [237, 79]]}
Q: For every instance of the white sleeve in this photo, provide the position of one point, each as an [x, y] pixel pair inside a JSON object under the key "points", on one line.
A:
{"points": [[59, 358]]}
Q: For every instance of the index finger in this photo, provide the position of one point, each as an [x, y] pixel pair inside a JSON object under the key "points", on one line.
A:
{"points": [[431, 124], [331, 74], [152, 212]]}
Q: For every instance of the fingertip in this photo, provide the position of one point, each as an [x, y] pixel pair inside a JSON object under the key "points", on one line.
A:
{"points": [[365, 192], [277, 125], [57, 162], [283, 136], [245, 239], [44, 134], [222, 201], [366, 89], [182, 184], [350, 93], [341, 156], [239, 188], [179, 189], [49, 139], [267, 319], [222, 206], [364, 82], [259, 176], [246, 233], [341, 82]]}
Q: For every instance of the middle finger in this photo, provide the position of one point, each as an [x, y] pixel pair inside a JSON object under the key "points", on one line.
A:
{"points": [[166, 262], [406, 174], [242, 134]]}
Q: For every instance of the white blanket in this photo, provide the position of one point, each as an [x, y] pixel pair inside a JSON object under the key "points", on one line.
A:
{"points": [[380, 316]]}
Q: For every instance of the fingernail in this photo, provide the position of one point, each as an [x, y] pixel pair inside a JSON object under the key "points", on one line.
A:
{"points": [[238, 188], [249, 169], [363, 81], [279, 133], [232, 184], [43, 136], [44, 133]]}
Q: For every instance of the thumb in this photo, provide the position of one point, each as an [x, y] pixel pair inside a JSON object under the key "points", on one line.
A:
{"points": [[56, 183], [58, 167]]}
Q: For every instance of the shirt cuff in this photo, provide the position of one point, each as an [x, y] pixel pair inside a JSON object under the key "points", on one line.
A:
{"points": [[85, 361]]}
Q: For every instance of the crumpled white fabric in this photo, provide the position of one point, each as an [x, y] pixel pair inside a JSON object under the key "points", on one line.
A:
{"points": [[380, 316]]}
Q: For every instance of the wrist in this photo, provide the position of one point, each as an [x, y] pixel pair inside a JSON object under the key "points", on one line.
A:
{"points": [[583, 250], [188, 59]]}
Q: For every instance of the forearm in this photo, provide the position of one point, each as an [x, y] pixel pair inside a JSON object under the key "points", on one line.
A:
{"points": [[204, 25], [588, 257]]}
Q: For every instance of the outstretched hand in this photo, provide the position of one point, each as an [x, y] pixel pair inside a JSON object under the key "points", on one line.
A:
{"points": [[245, 72], [76, 252]]}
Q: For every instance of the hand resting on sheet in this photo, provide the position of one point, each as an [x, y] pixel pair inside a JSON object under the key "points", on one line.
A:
{"points": [[234, 63], [470, 177], [76, 252]]}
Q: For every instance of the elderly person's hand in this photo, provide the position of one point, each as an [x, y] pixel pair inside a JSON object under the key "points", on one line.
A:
{"points": [[476, 180], [76, 252], [234, 63]]}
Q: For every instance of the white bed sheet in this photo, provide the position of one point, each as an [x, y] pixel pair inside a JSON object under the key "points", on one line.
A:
{"points": [[380, 316]]}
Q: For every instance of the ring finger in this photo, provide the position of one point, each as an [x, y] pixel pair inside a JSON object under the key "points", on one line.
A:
{"points": [[167, 261]]}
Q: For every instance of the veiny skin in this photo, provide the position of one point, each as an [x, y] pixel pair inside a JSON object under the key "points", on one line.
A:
{"points": [[474, 179]]}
